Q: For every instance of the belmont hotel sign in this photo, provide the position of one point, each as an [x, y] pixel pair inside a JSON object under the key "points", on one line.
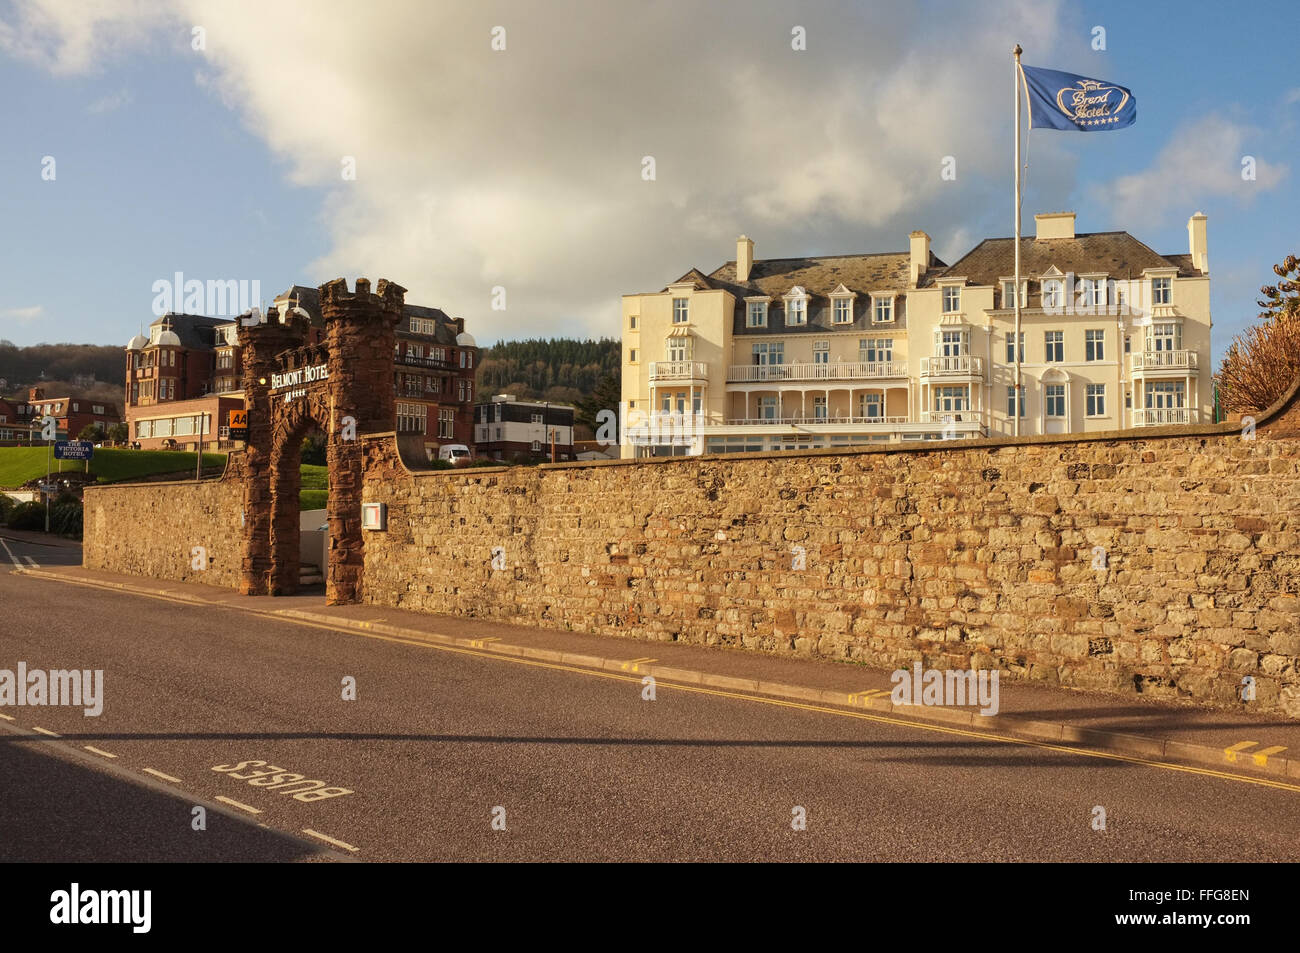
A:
{"points": [[293, 383]]}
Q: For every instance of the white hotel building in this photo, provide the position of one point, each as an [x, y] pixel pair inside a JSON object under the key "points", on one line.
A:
{"points": [[796, 353]]}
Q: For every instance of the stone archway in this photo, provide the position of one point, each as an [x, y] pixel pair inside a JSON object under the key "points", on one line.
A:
{"points": [[342, 385]]}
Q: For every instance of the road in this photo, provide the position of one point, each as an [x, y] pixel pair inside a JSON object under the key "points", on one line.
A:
{"points": [[576, 764]]}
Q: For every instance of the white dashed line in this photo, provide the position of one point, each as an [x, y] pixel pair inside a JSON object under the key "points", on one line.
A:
{"points": [[329, 840], [93, 750], [31, 562], [243, 807], [17, 564], [159, 774], [45, 731]]}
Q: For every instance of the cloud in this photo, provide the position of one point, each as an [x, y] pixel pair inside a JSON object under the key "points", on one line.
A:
{"points": [[1292, 96], [110, 103], [1203, 159], [23, 315], [522, 168]]}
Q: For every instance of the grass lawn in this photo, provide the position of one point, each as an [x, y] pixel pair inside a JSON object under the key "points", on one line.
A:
{"points": [[314, 477], [312, 499], [20, 464]]}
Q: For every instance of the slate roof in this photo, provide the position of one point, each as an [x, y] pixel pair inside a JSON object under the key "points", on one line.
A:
{"points": [[818, 276], [445, 327], [194, 330], [1117, 255]]}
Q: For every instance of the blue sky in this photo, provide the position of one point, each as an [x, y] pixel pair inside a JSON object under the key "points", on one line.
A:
{"points": [[520, 168]]}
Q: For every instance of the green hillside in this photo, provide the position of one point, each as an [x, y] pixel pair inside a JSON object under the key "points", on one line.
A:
{"points": [[20, 464]]}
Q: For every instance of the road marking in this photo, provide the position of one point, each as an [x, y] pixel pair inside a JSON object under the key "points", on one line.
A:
{"points": [[159, 774], [17, 564], [631, 664], [329, 840], [238, 804], [482, 643], [31, 562], [863, 696], [1261, 757], [1230, 754], [52, 734], [757, 699], [98, 751]]}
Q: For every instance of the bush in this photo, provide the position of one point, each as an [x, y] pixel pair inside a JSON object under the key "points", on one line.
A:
{"points": [[65, 519], [27, 516], [7, 503]]}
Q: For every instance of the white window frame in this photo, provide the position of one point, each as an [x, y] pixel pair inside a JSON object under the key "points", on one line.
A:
{"points": [[1094, 396], [1094, 344], [951, 298], [1048, 341], [681, 310], [756, 314]]}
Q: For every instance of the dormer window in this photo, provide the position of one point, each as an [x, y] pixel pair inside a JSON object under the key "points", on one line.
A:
{"points": [[843, 311], [1053, 293], [1008, 293], [1092, 292], [1161, 289], [756, 312], [681, 310], [951, 299], [882, 309], [796, 307]]}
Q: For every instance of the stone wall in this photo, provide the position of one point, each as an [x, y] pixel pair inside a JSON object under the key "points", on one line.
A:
{"points": [[150, 529], [978, 555]]}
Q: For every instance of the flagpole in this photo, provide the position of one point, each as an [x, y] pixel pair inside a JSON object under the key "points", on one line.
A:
{"points": [[1015, 291]]}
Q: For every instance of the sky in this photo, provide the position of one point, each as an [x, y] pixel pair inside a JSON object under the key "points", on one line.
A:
{"points": [[214, 138]]}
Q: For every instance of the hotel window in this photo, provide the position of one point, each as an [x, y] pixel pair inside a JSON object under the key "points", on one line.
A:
{"points": [[951, 299], [819, 408], [499, 437], [412, 385], [1008, 295], [464, 391], [681, 310], [769, 352], [873, 406], [1011, 401], [757, 315], [631, 322], [697, 404], [1094, 292], [497, 413], [535, 418], [414, 350], [843, 310], [1096, 399], [1160, 290], [1055, 396], [1011, 347], [631, 355], [1094, 345], [876, 350], [1054, 345], [950, 399], [767, 408], [1121, 294], [1165, 337], [679, 349], [446, 423], [796, 311], [952, 343], [1165, 395], [537, 446], [821, 352], [143, 429], [422, 326], [1053, 294], [883, 309], [162, 428]]}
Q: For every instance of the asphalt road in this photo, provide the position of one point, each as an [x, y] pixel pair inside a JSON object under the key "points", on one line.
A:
{"points": [[579, 765]]}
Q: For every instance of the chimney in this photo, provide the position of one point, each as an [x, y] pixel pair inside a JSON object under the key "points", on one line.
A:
{"points": [[744, 258], [1196, 243], [1055, 225], [920, 247]]}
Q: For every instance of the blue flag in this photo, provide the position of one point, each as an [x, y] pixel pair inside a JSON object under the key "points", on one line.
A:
{"points": [[1065, 101]]}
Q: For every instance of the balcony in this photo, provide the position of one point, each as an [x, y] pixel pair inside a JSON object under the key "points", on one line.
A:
{"points": [[1164, 416], [952, 365], [759, 421], [839, 371], [1175, 362], [412, 361], [679, 371]]}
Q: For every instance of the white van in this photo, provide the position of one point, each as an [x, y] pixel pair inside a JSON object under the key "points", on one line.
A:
{"points": [[455, 452]]}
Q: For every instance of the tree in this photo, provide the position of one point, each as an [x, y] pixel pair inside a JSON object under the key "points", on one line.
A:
{"points": [[119, 433], [92, 432], [606, 396], [1262, 362], [314, 450]]}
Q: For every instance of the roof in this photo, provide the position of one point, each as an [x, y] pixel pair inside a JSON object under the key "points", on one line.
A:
{"points": [[818, 276], [194, 330], [1114, 254], [445, 327]]}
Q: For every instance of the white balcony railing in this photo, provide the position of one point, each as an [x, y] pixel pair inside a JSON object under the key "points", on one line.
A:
{"points": [[949, 416], [1163, 416], [839, 371], [679, 371], [952, 365], [757, 421], [1165, 361]]}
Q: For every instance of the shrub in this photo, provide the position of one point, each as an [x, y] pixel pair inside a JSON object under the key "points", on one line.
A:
{"points": [[27, 516]]}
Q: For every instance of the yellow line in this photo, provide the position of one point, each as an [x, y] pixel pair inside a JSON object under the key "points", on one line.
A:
{"points": [[52, 734], [238, 804], [782, 703], [1261, 757], [159, 774], [1231, 753], [329, 840], [777, 702], [98, 751]]}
